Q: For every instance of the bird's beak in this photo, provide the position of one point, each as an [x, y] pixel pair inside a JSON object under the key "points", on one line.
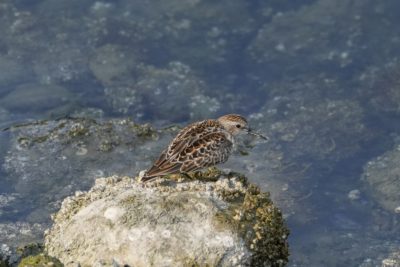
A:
{"points": [[249, 131]]}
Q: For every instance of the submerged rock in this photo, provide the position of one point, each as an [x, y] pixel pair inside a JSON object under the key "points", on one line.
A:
{"points": [[114, 64], [381, 177], [218, 221], [380, 90], [287, 45], [49, 160], [11, 72], [308, 137], [156, 92], [36, 97]]}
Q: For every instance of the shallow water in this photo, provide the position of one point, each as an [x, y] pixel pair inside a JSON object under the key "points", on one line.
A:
{"points": [[319, 78]]}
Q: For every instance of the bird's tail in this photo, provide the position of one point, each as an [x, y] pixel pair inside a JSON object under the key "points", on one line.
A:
{"points": [[146, 178], [156, 171]]}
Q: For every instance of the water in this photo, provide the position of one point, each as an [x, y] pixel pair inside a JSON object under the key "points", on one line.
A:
{"points": [[320, 78]]}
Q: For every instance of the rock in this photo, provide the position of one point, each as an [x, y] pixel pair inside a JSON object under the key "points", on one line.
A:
{"points": [[45, 161], [220, 220], [3, 137], [176, 84], [322, 130], [17, 233], [308, 135], [310, 121], [392, 261], [380, 90], [354, 194], [4, 116], [11, 72], [381, 178], [113, 63], [36, 97], [342, 34], [62, 63], [14, 237], [72, 153], [30, 249], [203, 34], [5, 200], [39, 261], [5, 253], [90, 113]]}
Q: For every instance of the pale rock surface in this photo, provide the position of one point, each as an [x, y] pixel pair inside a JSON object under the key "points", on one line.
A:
{"points": [[392, 261], [165, 223]]}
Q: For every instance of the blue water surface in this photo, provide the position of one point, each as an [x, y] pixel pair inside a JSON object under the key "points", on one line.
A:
{"points": [[319, 77]]}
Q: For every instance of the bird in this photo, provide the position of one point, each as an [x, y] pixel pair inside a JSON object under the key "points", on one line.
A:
{"points": [[199, 145]]}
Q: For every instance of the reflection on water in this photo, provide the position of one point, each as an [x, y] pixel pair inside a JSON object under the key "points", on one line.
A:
{"points": [[320, 78]]}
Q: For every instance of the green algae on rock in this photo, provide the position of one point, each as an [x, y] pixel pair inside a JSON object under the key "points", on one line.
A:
{"points": [[31, 249], [40, 260], [266, 238], [3, 262], [206, 222]]}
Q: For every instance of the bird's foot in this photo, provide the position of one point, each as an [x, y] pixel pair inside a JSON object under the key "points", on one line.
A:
{"points": [[211, 174], [186, 175]]}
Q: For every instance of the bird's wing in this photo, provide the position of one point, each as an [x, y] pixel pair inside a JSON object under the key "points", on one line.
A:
{"points": [[168, 160], [210, 149], [190, 134]]}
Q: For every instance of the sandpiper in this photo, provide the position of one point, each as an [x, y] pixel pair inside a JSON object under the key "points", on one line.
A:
{"points": [[199, 145]]}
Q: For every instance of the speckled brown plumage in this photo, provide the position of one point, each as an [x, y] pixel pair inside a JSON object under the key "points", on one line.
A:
{"points": [[199, 145]]}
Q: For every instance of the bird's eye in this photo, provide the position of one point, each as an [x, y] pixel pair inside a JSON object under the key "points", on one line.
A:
{"points": [[238, 126]]}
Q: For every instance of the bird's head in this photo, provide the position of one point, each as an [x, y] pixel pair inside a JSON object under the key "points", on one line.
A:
{"points": [[234, 124]]}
